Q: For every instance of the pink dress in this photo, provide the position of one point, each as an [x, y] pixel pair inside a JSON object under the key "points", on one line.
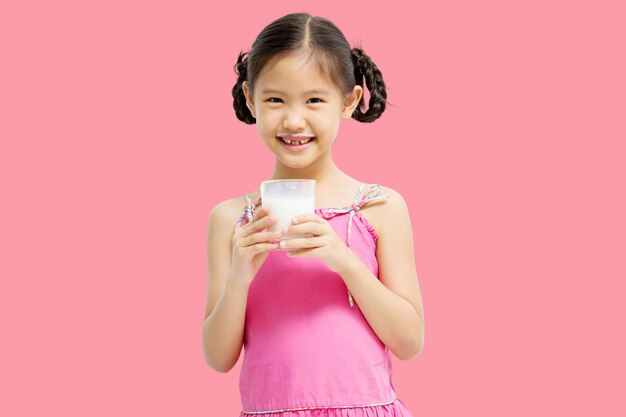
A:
{"points": [[308, 350]]}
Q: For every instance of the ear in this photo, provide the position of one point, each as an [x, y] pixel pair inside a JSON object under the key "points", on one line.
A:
{"points": [[351, 102], [249, 102]]}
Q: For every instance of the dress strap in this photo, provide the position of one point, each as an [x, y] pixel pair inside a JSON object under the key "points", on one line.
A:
{"points": [[248, 212], [365, 194]]}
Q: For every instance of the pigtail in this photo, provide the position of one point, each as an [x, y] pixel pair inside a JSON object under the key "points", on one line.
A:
{"points": [[364, 67], [239, 98]]}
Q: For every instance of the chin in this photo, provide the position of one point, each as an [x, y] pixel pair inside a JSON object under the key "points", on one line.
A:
{"points": [[295, 166]]}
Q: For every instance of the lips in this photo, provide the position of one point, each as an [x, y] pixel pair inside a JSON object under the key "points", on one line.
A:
{"points": [[295, 140], [298, 138]]}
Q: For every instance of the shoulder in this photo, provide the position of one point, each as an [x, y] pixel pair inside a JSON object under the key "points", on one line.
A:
{"points": [[385, 215], [225, 214], [395, 198], [396, 201], [230, 206], [394, 211]]}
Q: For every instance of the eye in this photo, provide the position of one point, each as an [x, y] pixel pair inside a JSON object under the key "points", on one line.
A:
{"points": [[274, 100], [319, 100]]}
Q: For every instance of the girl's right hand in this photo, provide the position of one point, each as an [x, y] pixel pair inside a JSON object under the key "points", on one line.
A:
{"points": [[251, 245]]}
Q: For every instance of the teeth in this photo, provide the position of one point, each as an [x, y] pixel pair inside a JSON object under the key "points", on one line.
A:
{"points": [[295, 142]]}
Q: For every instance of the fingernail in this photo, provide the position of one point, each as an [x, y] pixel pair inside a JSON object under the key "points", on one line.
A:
{"points": [[295, 219], [276, 234], [283, 243]]}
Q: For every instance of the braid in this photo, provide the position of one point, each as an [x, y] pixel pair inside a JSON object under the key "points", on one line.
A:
{"points": [[239, 98], [364, 67]]}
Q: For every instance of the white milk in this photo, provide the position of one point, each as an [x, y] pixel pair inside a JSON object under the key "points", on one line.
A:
{"points": [[285, 208]]}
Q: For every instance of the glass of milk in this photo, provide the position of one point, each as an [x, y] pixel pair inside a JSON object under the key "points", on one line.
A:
{"points": [[287, 199]]}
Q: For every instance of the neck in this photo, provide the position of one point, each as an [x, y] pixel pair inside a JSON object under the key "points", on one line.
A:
{"points": [[323, 171]]}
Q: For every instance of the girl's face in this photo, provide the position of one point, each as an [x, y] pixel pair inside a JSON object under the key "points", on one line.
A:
{"points": [[293, 101]]}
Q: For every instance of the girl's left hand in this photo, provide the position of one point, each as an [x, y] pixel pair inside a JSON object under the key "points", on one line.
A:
{"points": [[323, 244]]}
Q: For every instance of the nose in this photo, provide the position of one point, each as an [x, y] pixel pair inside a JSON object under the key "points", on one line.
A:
{"points": [[294, 120]]}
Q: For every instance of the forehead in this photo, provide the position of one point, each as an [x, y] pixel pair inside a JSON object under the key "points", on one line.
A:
{"points": [[294, 75]]}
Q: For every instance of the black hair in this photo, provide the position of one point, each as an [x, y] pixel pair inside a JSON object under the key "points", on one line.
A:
{"points": [[298, 33]]}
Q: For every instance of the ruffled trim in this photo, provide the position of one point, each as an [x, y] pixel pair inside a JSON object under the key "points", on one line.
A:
{"points": [[368, 226], [395, 409]]}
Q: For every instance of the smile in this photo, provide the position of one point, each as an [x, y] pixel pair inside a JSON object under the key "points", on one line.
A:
{"points": [[295, 139], [295, 143]]}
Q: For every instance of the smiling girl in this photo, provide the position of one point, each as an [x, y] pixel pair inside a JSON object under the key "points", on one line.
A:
{"points": [[319, 315]]}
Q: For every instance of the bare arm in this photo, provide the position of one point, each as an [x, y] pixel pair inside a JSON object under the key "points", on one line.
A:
{"points": [[391, 304], [234, 259], [222, 330]]}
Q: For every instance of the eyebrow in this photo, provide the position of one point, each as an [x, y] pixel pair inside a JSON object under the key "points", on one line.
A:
{"points": [[274, 91]]}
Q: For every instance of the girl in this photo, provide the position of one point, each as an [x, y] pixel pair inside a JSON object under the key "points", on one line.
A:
{"points": [[317, 315]]}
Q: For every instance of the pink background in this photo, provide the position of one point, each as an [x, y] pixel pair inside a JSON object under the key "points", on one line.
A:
{"points": [[506, 138]]}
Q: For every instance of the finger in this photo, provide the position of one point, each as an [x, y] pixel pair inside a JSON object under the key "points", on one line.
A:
{"points": [[262, 222], [257, 215], [260, 248], [259, 237], [260, 213], [316, 229], [299, 243], [308, 217], [310, 252]]}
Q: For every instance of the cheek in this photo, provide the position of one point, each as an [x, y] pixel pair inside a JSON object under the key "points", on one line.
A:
{"points": [[326, 121], [268, 117], [259, 128], [262, 120]]}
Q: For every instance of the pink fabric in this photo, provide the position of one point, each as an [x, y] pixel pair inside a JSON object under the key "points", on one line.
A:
{"points": [[306, 347]]}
